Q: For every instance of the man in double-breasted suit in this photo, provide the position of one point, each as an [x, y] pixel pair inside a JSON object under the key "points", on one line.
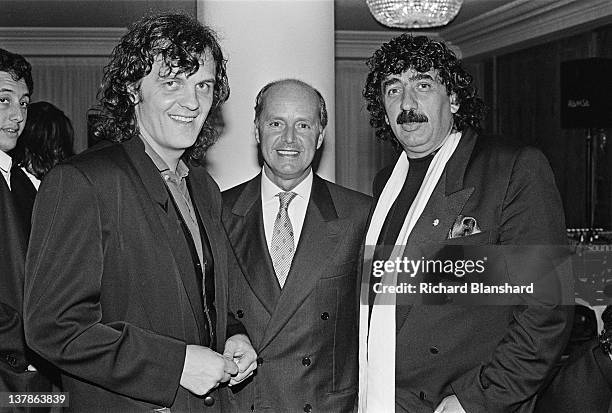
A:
{"points": [[451, 193], [297, 238], [17, 370], [126, 274]]}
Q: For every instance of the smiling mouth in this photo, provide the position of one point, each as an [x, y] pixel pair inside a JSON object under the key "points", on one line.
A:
{"points": [[10, 130], [287, 152], [184, 119]]}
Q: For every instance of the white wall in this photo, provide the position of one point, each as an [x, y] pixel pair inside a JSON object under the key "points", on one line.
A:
{"points": [[266, 40]]}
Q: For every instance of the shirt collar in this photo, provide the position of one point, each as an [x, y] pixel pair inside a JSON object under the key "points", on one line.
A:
{"points": [[182, 170], [269, 189], [6, 162]]}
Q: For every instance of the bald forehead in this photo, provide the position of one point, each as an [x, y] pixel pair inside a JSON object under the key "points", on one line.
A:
{"points": [[290, 89]]}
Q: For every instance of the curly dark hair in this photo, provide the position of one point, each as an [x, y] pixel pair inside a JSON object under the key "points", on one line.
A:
{"points": [[46, 140], [180, 40], [16, 66], [421, 54]]}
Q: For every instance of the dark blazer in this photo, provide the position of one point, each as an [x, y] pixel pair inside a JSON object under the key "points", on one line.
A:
{"points": [[306, 334], [111, 289], [583, 384], [494, 358], [14, 355]]}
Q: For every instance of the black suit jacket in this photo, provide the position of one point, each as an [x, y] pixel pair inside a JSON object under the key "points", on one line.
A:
{"points": [[583, 384], [111, 289], [493, 358], [306, 333], [14, 354]]}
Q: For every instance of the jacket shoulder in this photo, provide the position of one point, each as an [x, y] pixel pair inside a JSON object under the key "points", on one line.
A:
{"points": [[498, 145], [230, 196], [348, 193], [380, 179], [98, 160], [348, 199]]}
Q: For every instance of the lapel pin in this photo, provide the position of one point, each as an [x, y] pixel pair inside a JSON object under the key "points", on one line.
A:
{"points": [[436, 222]]}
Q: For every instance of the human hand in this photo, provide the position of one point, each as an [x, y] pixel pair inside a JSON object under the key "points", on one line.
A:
{"points": [[204, 369], [238, 348], [450, 404]]}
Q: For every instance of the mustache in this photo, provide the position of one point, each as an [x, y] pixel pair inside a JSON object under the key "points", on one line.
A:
{"points": [[411, 116]]}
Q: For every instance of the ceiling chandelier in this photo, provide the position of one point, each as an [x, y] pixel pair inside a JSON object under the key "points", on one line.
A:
{"points": [[414, 14]]}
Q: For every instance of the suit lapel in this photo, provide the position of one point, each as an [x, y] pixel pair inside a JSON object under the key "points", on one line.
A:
{"points": [[163, 222], [12, 250], [247, 236], [320, 236], [201, 190], [445, 204]]}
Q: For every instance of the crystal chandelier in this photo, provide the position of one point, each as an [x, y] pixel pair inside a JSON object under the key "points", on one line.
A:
{"points": [[413, 14]]}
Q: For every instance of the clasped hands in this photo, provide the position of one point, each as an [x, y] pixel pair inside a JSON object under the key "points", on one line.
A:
{"points": [[204, 369]]}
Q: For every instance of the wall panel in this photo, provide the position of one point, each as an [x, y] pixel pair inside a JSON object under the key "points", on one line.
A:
{"points": [[359, 155]]}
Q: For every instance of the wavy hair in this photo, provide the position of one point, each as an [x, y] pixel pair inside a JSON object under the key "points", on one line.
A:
{"points": [[46, 140], [16, 66], [421, 54], [179, 40]]}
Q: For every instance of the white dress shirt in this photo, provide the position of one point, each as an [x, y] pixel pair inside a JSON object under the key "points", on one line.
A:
{"points": [[5, 167], [297, 208], [35, 181]]}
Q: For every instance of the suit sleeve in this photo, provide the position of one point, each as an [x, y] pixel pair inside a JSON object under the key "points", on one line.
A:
{"points": [[62, 310], [532, 232]]}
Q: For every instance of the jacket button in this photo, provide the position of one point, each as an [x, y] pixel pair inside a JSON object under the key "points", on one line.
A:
{"points": [[240, 313], [209, 401], [259, 361], [198, 264], [324, 315], [422, 395], [434, 350], [307, 408], [306, 361]]}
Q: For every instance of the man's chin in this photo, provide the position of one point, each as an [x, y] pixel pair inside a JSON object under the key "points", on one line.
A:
{"points": [[8, 141]]}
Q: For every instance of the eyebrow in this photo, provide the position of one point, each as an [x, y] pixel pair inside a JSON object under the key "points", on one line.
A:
{"points": [[12, 91], [421, 76], [388, 82]]}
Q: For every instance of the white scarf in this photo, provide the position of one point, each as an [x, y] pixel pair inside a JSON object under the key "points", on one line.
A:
{"points": [[377, 367]]}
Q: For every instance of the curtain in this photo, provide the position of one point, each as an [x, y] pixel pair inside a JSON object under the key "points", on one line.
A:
{"points": [[71, 84], [359, 155]]}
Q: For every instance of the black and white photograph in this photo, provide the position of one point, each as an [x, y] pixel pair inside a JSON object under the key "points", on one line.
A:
{"points": [[320, 206]]}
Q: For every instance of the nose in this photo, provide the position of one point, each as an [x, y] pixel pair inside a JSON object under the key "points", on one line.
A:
{"points": [[408, 100], [189, 99], [17, 113], [289, 135]]}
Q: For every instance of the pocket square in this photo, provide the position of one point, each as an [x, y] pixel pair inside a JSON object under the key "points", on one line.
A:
{"points": [[464, 226]]}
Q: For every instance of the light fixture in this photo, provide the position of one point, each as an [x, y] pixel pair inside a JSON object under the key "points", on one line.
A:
{"points": [[413, 14]]}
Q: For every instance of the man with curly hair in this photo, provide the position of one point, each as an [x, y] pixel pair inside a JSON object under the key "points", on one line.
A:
{"points": [[452, 186], [126, 275]]}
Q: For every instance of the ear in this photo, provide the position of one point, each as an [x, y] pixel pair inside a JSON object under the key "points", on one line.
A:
{"points": [[257, 134], [321, 137], [134, 96], [454, 103]]}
